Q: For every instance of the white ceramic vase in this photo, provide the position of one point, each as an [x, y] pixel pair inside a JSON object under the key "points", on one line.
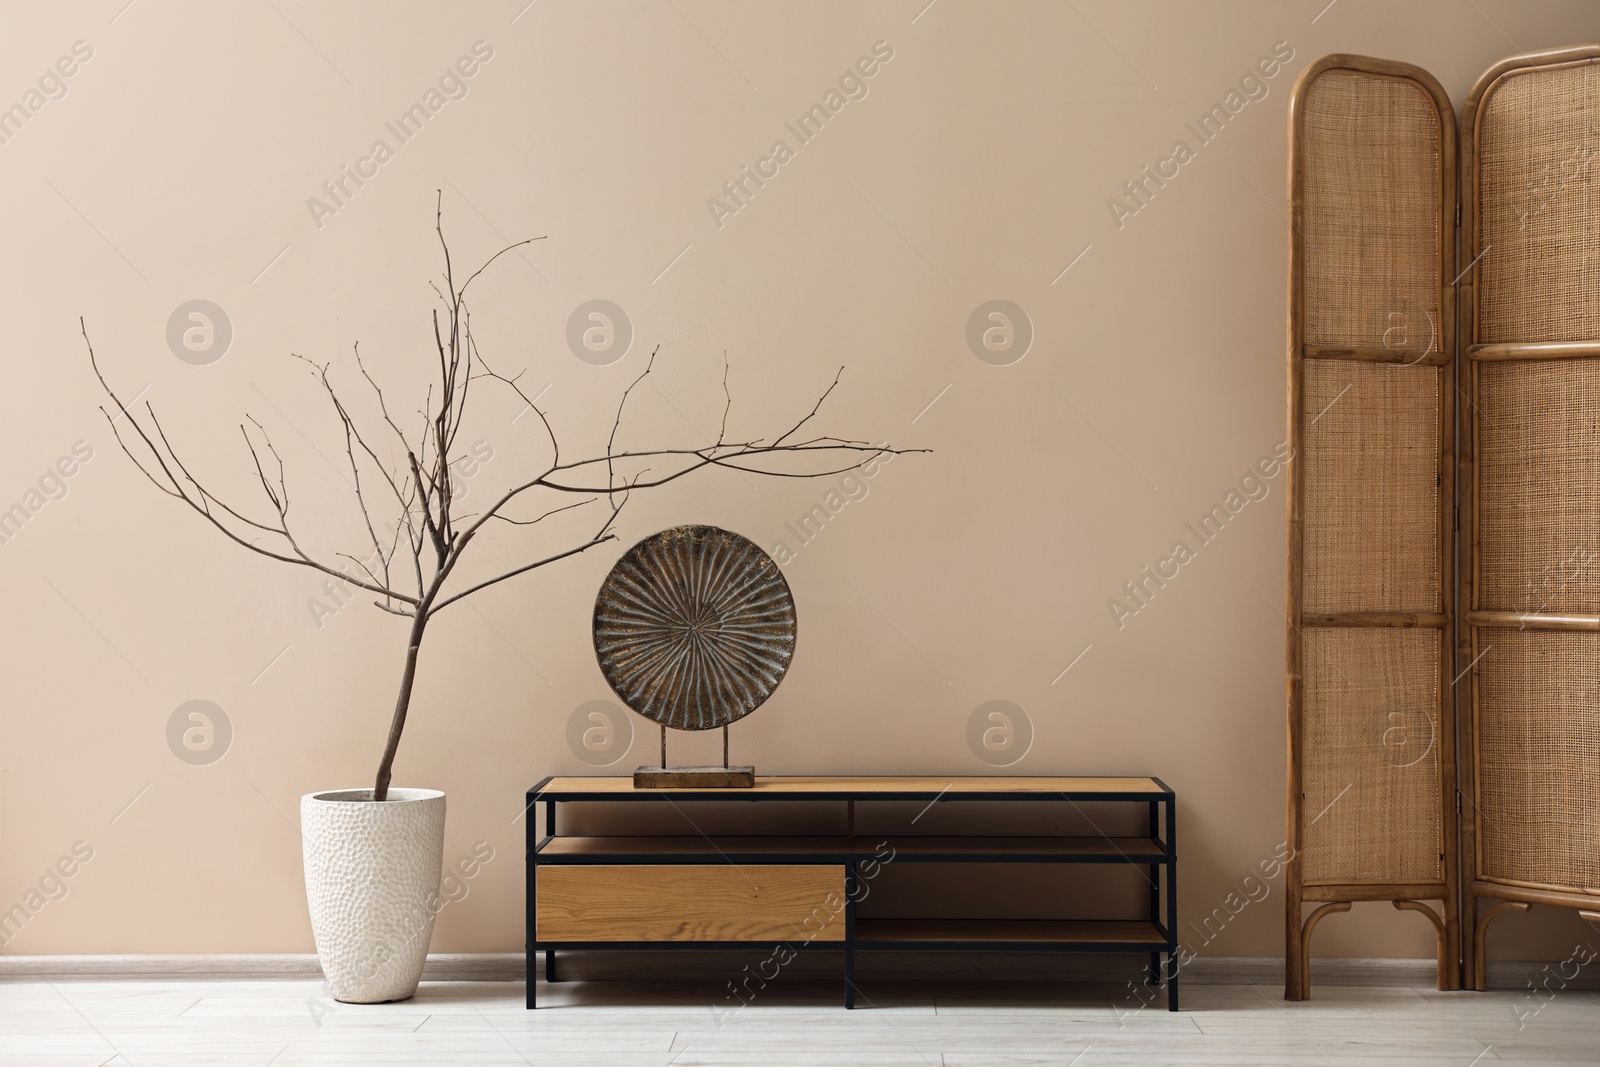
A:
{"points": [[372, 884]]}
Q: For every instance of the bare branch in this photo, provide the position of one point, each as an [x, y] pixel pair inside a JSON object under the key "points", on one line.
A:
{"points": [[434, 532], [279, 503], [383, 406], [490, 262], [727, 404], [593, 541], [488, 372], [353, 438], [872, 451], [116, 433], [283, 482], [438, 228], [546, 515], [204, 498], [611, 442], [363, 566], [199, 499], [815, 408]]}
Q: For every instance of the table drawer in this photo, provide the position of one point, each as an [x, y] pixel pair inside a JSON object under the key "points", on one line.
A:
{"points": [[650, 902]]}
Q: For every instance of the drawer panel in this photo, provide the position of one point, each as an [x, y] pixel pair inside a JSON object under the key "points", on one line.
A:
{"points": [[649, 902]]}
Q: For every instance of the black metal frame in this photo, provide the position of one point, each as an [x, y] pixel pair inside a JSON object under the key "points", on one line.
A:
{"points": [[1161, 864]]}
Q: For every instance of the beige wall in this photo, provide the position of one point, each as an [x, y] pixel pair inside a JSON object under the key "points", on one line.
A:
{"points": [[979, 165]]}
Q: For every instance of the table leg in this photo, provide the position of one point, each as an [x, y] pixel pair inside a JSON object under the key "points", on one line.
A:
{"points": [[1153, 876], [850, 935], [1172, 904], [531, 909]]}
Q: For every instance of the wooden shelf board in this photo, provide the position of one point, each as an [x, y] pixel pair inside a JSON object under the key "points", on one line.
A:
{"points": [[866, 846], [1011, 931], [865, 787]]}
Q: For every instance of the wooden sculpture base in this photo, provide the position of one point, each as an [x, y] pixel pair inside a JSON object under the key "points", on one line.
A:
{"points": [[694, 778]]}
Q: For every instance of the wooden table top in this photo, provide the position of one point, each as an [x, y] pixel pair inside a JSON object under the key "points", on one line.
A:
{"points": [[867, 787]]}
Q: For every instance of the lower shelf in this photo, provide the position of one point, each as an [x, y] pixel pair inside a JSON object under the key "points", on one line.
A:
{"points": [[1105, 935]]}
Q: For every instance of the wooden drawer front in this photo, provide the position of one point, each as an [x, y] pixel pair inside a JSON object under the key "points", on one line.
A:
{"points": [[762, 902]]}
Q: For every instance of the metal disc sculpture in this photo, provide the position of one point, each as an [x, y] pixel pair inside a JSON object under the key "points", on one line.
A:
{"points": [[694, 628]]}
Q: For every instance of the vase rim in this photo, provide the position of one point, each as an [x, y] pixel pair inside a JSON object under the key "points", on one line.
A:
{"points": [[397, 795]]}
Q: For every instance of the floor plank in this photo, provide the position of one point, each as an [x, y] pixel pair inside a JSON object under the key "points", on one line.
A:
{"points": [[295, 1023]]}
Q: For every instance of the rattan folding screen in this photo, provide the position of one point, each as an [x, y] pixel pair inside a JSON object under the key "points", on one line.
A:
{"points": [[1372, 217], [1531, 493], [1393, 694]]}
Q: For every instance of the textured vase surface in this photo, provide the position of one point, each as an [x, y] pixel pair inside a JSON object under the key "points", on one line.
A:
{"points": [[372, 884]]}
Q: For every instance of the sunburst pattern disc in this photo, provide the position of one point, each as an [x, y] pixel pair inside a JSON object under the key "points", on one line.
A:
{"points": [[694, 627]]}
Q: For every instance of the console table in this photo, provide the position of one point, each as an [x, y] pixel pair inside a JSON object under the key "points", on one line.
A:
{"points": [[792, 891]]}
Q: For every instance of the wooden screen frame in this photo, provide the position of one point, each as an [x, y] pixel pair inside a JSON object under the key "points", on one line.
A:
{"points": [[1505, 897], [1404, 895]]}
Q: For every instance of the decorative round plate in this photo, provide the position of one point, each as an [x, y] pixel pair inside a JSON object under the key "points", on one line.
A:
{"points": [[694, 627]]}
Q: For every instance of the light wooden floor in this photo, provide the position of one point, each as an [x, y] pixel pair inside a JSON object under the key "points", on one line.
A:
{"points": [[285, 1023]]}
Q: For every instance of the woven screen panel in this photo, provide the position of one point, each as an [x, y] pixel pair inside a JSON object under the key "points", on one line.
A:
{"points": [[1539, 757], [1539, 205], [1539, 486], [1370, 212], [1371, 516], [1371, 768]]}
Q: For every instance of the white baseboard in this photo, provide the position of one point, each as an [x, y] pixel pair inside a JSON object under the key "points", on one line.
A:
{"points": [[441, 966], [1265, 971]]}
